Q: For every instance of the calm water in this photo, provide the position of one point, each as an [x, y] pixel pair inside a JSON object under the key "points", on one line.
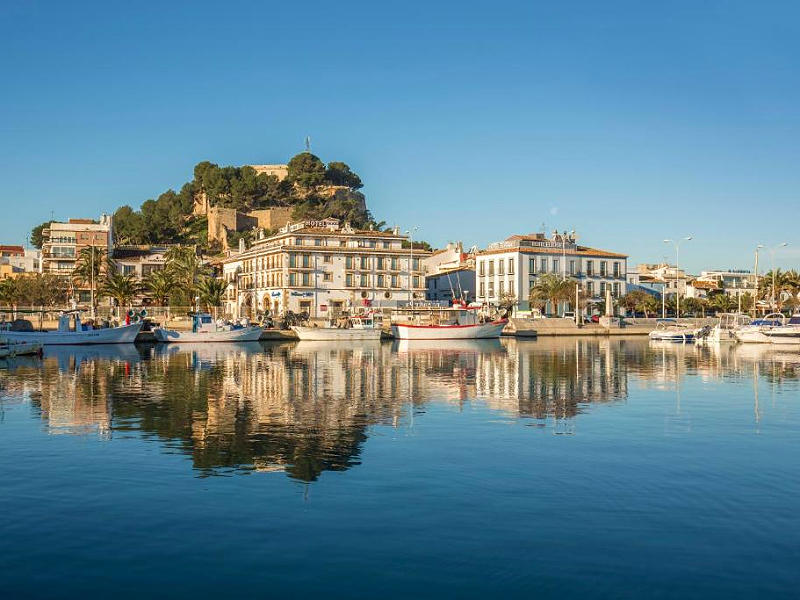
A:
{"points": [[568, 468]]}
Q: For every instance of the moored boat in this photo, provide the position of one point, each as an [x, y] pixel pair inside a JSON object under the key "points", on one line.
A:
{"points": [[786, 334], [12, 349], [206, 330], [725, 329], [360, 327], [758, 330], [67, 335], [670, 330], [460, 322]]}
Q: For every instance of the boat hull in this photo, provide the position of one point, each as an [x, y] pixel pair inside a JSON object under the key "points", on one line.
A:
{"points": [[785, 336], [479, 331], [113, 335], [19, 349], [170, 336], [672, 337], [753, 335], [334, 334]]}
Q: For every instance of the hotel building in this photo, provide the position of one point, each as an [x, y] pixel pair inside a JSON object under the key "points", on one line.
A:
{"points": [[323, 268], [511, 268]]}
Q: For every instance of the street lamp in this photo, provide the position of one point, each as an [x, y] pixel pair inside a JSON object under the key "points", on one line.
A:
{"points": [[772, 257], [677, 272], [410, 235]]}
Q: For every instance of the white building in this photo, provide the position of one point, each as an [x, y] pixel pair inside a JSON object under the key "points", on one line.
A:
{"points": [[322, 268], [511, 267]]}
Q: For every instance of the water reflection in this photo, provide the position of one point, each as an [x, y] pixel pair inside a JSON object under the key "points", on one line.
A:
{"points": [[306, 408]]}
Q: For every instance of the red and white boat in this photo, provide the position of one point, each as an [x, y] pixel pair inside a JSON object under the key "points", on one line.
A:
{"points": [[457, 323]]}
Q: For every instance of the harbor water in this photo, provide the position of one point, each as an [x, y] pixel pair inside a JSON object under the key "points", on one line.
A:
{"points": [[560, 467]]}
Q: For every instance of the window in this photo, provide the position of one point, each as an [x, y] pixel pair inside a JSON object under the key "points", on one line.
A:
{"points": [[572, 267], [510, 266], [491, 288], [328, 258], [292, 261], [556, 266], [590, 288], [363, 280], [128, 270], [483, 290], [348, 280], [305, 306], [501, 288], [395, 281], [616, 269], [603, 268], [317, 242], [481, 270], [306, 261], [395, 262], [616, 289], [590, 268], [381, 281], [306, 279], [543, 265], [364, 262], [491, 268], [501, 270], [381, 263], [416, 264], [292, 279], [348, 262], [511, 287], [532, 265], [147, 270], [326, 276], [602, 288], [415, 282], [386, 245]]}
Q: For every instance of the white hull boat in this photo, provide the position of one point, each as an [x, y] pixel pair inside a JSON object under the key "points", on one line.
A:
{"points": [[171, 336], [788, 334], [10, 350], [478, 331], [725, 330], [758, 331], [336, 334], [111, 335], [669, 330]]}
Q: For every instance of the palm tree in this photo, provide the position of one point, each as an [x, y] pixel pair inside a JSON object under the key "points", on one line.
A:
{"points": [[212, 292], [722, 303], [185, 268], [159, 285], [122, 288], [551, 288]]}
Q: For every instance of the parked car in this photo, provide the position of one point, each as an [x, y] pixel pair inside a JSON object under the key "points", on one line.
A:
{"points": [[569, 315], [595, 318]]}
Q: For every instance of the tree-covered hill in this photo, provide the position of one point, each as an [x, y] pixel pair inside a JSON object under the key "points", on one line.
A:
{"points": [[308, 188]]}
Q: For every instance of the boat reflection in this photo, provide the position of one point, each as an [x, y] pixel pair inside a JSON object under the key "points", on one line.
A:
{"points": [[307, 408]]}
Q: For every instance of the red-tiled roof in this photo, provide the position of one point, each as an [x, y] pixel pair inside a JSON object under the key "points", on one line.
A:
{"points": [[13, 250]]}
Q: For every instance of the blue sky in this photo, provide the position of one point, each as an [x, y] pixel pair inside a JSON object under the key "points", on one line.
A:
{"points": [[626, 121]]}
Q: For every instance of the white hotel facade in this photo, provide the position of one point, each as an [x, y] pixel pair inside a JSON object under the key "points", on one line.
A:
{"points": [[511, 267], [323, 268]]}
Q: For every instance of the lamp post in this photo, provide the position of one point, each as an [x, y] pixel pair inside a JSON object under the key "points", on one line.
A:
{"points": [[677, 272], [410, 235], [772, 264]]}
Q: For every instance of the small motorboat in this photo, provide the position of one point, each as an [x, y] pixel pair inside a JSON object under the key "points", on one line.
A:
{"points": [[14, 348], [758, 330], [80, 333], [725, 329], [786, 334], [670, 330], [355, 328], [206, 330]]}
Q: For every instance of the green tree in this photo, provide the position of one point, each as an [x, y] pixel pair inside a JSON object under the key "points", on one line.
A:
{"points": [[129, 226], [211, 292], [8, 292], [121, 288], [41, 289], [91, 260], [551, 288], [36, 234], [339, 173], [186, 270], [159, 286], [306, 170]]}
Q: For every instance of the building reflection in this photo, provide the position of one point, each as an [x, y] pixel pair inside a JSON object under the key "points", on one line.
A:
{"points": [[307, 408]]}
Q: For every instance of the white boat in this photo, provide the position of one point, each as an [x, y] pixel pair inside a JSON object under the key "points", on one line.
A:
{"points": [[786, 334], [66, 335], [457, 323], [669, 330], [206, 330], [12, 349], [357, 328], [725, 329], [758, 330]]}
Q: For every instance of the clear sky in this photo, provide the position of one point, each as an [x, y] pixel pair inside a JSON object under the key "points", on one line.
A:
{"points": [[626, 121]]}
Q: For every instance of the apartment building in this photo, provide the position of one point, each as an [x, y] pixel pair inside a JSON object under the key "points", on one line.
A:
{"points": [[511, 268], [17, 260], [323, 268]]}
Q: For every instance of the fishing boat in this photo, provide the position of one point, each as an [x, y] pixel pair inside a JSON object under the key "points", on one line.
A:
{"points": [[758, 330], [670, 330], [725, 329], [788, 333], [206, 330], [12, 349], [459, 322], [355, 328], [71, 331]]}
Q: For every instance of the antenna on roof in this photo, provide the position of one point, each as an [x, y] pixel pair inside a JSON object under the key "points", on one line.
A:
{"points": [[308, 144]]}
